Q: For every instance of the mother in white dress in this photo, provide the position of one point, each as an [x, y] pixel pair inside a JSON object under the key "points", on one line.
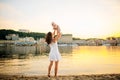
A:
{"points": [[54, 55]]}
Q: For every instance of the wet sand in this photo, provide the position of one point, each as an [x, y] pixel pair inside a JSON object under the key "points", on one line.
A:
{"points": [[65, 77]]}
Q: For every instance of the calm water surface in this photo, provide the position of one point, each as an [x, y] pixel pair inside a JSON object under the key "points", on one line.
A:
{"points": [[75, 61]]}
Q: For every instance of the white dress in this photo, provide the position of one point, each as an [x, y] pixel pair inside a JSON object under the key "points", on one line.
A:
{"points": [[54, 54]]}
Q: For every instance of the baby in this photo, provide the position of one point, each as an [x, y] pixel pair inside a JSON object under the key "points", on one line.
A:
{"points": [[56, 27]]}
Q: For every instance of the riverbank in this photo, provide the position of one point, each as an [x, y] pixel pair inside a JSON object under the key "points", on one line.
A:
{"points": [[65, 77]]}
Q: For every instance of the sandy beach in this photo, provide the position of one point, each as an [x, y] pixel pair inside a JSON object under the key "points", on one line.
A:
{"points": [[60, 77]]}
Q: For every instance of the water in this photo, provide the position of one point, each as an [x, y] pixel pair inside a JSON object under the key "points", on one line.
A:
{"points": [[77, 60]]}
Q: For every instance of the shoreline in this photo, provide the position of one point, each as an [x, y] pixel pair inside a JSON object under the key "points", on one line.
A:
{"points": [[62, 77]]}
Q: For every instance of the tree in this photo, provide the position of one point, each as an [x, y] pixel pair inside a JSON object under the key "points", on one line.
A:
{"points": [[4, 34]]}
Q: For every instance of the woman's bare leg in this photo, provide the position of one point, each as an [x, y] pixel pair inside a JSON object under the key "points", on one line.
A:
{"points": [[49, 68], [56, 68]]}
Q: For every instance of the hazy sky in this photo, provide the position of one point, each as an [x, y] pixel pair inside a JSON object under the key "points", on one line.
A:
{"points": [[82, 18]]}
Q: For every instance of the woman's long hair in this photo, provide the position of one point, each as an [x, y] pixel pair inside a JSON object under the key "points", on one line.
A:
{"points": [[48, 38]]}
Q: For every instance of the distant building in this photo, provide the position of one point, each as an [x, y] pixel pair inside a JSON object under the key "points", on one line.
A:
{"points": [[24, 30], [12, 37], [112, 41], [66, 38], [118, 40], [26, 39], [80, 42], [91, 42]]}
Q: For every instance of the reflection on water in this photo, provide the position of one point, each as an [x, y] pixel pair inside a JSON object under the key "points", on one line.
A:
{"points": [[33, 60], [22, 52]]}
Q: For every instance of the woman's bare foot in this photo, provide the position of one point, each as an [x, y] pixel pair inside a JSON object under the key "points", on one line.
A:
{"points": [[48, 75]]}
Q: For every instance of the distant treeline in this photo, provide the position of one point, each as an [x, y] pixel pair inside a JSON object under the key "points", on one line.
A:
{"points": [[35, 35]]}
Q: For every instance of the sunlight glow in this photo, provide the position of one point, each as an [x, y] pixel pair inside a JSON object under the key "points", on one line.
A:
{"points": [[82, 18]]}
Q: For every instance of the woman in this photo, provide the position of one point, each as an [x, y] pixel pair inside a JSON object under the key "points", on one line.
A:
{"points": [[54, 55]]}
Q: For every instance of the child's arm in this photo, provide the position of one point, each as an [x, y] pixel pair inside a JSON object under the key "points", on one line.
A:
{"points": [[53, 33], [58, 34], [59, 30]]}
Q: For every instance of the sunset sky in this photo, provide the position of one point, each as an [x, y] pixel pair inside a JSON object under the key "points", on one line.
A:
{"points": [[82, 18]]}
